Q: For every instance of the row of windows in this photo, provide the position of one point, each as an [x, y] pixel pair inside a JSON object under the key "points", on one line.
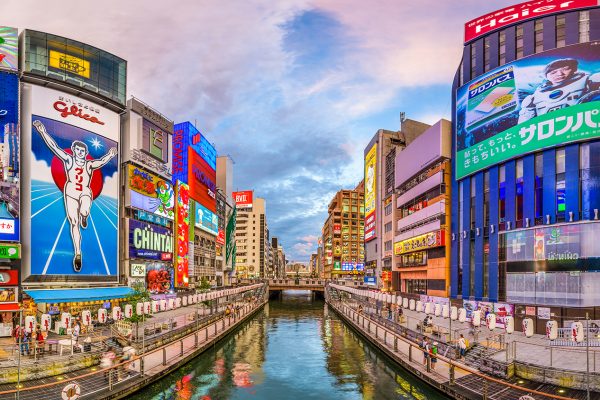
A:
{"points": [[421, 201]]}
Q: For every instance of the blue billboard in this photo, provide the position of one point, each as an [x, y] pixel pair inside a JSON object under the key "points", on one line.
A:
{"points": [[185, 135], [370, 280], [9, 157], [206, 220]]}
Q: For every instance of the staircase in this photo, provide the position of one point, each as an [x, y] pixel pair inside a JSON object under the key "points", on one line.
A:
{"points": [[475, 354]]}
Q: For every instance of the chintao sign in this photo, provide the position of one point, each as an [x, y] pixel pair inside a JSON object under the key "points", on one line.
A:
{"points": [[150, 241], [422, 242], [510, 15]]}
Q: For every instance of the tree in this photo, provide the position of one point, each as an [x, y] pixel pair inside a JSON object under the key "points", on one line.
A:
{"points": [[140, 295]]}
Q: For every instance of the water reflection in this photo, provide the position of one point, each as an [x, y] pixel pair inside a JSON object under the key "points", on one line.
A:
{"points": [[294, 349]]}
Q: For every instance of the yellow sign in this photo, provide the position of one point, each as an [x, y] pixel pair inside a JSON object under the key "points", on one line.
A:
{"points": [[69, 63], [370, 179], [422, 242]]}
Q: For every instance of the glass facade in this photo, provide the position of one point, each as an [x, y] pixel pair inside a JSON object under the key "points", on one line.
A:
{"points": [[75, 63]]}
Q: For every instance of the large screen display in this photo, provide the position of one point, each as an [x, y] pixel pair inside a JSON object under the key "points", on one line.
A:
{"points": [[9, 157], [370, 192], [541, 101], [73, 164]]}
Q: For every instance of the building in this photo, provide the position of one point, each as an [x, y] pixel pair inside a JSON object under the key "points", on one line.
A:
{"points": [[525, 162], [422, 208], [224, 211], [251, 235], [343, 234], [380, 155]]}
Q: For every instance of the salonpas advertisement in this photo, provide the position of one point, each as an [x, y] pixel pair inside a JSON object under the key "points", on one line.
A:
{"points": [[370, 193], [206, 220], [541, 101]]}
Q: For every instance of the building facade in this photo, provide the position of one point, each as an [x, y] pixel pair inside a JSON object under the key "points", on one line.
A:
{"points": [[251, 240], [343, 234], [421, 243], [526, 161]]}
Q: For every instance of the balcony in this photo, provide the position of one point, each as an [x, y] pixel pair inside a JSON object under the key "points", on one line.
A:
{"points": [[428, 212], [427, 184], [420, 230]]}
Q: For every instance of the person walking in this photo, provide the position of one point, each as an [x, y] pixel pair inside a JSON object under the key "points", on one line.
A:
{"points": [[434, 352], [462, 346], [25, 339], [107, 362], [39, 340], [425, 346]]}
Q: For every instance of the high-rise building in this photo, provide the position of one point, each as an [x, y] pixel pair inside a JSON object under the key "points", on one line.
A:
{"points": [[343, 234], [251, 235], [422, 210], [526, 162], [225, 206], [380, 155]]}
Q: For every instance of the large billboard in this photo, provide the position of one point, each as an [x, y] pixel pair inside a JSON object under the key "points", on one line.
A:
{"points": [[150, 241], [9, 48], [520, 12], [206, 220], [182, 224], [150, 193], [370, 193], [185, 135], [541, 101], [73, 167], [243, 199], [9, 157]]}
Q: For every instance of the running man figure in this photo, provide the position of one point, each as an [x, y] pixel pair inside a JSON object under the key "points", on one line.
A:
{"points": [[77, 193]]}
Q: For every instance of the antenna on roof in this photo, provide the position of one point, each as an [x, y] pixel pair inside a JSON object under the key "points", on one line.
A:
{"points": [[402, 118]]}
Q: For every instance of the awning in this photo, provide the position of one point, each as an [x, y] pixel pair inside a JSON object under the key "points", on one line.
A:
{"points": [[74, 295], [9, 307]]}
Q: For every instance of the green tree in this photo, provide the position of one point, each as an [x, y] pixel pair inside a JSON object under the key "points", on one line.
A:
{"points": [[140, 295]]}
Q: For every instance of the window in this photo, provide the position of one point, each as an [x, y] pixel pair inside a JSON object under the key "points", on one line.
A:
{"points": [[388, 209], [560, 31], [502, 48], [539, 189], [560, 185], [519, 41], [415, 259], [486, 54], [388, 246], [519, 194], [539, 35], [473, 60], [584, 26], [486, 199], [502, 197], [388, 227]]}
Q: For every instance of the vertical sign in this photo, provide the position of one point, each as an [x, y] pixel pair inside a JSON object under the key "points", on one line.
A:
{"points": [[370, 192], [182, 222], [9, 157]]}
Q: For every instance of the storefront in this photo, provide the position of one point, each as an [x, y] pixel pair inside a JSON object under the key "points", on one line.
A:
{"points": [[348, 270], [10, 254]]}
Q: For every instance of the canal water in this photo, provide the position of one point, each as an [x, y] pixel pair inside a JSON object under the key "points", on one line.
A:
{"points": [[295, 349]]}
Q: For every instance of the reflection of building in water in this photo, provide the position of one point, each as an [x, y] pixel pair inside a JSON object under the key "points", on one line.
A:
{"points": [[250, 347]]}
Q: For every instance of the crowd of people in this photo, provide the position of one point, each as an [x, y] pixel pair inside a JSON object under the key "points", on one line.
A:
{"points": [[30, 341]]}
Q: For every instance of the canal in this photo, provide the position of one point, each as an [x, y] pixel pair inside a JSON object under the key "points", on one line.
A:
{"points": [[295, 349]]}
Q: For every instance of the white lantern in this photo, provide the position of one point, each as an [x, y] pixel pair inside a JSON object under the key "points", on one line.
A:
{"points": [[147, 307], [490, 321], [428, 308], [116, 313], [476, 317], [155, 306], [195, 298], [437, 309], [405, 302], [462, 315], [453, 313], [30, 324], [412, 304], [399, 301], [577, 331], [86, 317], [509, 322], [528, 327], [46, 322], [102, 315], [139, 308], [163, 305], [184, 301], [128, 311], [170, 304], [551, 330], [178, 302], [419, 306], [65, 320]]}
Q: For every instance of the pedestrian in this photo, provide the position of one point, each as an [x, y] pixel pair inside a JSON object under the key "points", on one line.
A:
{"points": [[107, 362], [76, 332], [462, 345], [16, 334], [25, 339], [425, 346], [389, 309], [434, 352], [39, 339]]}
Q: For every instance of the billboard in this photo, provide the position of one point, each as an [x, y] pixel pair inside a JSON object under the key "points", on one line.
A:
{"points": [[186, 135], [9, 48], [206, 220], [73, 164], [150, 241], [182, 224], [544, 100], [159, 278], [202, 181], [370, 192], [9, 157], [155, 141], [150, 193], [421, 242], [243, 199], [520, 12]]}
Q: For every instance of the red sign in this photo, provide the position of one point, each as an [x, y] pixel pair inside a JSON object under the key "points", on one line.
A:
{"points": [[370, 226], [243, 199], [337, 228], [221, 237], [9, 277], [520, 12], [202, 178], [386, 276], [65, 111]]}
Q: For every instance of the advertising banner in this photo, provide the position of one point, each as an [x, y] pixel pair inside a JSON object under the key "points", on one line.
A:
{"points": [[9, 48], [221, 237], [149, 241], [9, 157], [206, 220], [9, 277], [186, 135], [152, 218], [182, 223], [202, 181], [10, 250], [421, 242], [541, 101], [520, 12], [230, 246], [370, 280], [9, 295], [370, 192], [137, 270], [155, 141], [159, 278], [150, 193], [74, 185], [243, 199]]}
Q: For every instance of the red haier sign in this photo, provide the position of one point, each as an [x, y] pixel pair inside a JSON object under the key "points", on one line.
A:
{"points": [[520, 12]]}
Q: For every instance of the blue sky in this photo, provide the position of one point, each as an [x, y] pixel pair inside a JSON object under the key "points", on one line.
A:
{"points": [[291, 90]]}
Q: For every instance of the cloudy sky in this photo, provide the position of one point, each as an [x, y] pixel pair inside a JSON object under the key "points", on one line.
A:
{"points": [[291, 90]]}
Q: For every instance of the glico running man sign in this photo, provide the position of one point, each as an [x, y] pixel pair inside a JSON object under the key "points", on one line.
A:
{"points": [[74, 185], [538, 102]]}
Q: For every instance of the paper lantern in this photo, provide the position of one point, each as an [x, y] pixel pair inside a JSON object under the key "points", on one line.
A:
{"points": [[551, 330], [412, 304], [102, 315], [147, 307], [139, 308], [163, 305], [116, 313], [128, 311], [528, 327], [437, 309], [509, 324], [65, 320], [178, 302], [445, 311], [86, 317], [155, 306], [462, 315], [184, 301], [490, 321], [476, 317], [46, 323], [30, 324], [577, 331]]}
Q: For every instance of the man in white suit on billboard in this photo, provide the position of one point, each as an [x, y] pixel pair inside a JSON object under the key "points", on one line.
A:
{"points": [[77, 192]]}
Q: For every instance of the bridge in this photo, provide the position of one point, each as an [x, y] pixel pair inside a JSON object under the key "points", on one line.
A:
{"points": [[313, 284]]}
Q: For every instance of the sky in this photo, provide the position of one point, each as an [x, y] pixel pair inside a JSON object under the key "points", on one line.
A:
{"points": [[291, 90]]}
